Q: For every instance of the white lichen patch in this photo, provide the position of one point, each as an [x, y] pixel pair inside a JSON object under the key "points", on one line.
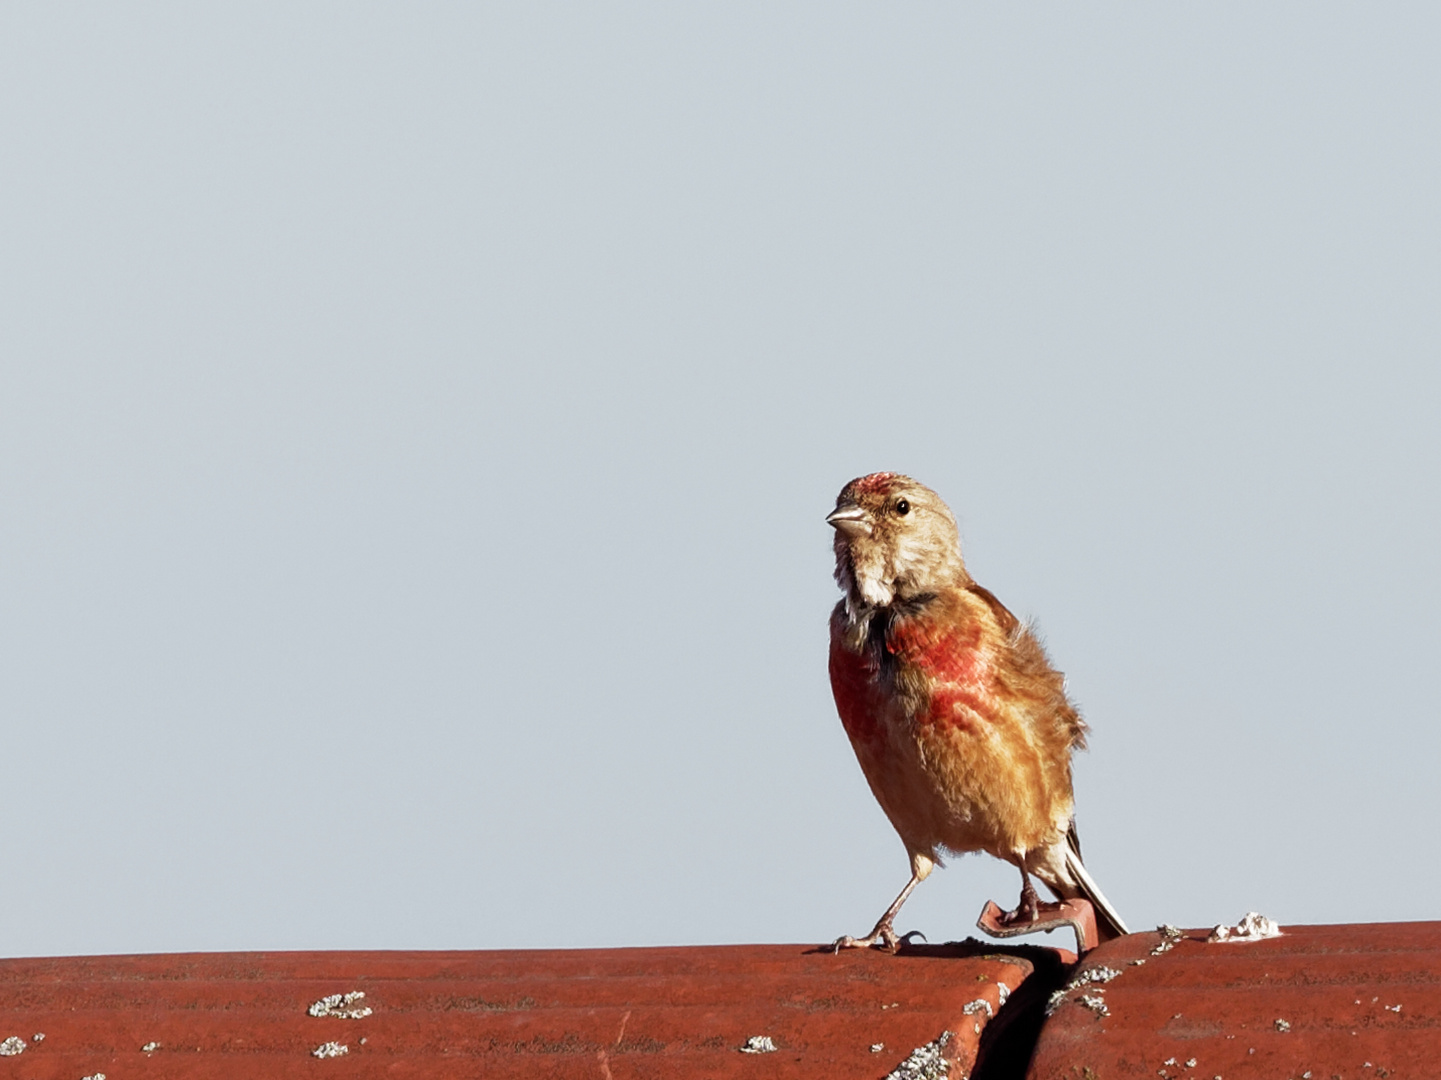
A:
{"points": [[12, 1046], [1392, 1008], [330, 1050], [1003, 991], [979, 1005], [925, 1062], [1089, 977], [1253, 927], [150, 1048], [759, 1044], [1283, 1026], [1169, 936], [876, 1048], [39, 1036], [94, 1076], [1095, 1002], [342, 1006]]}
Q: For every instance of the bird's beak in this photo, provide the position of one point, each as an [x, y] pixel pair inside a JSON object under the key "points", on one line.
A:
{"points": [[850, 519]]}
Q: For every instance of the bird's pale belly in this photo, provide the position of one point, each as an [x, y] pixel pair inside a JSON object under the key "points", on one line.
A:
{"points": [[950, 775], [931, 798]]}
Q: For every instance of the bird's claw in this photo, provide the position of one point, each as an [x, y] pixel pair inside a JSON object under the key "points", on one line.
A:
{"points": [[885, 940], [1027, 911], [882, 937]]}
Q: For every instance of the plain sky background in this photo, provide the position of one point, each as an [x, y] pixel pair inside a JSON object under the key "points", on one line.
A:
{"points": [[417, 424]]}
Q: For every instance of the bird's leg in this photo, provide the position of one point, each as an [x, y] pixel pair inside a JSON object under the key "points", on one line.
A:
{"points": [[884, 935], [1029, 908]]}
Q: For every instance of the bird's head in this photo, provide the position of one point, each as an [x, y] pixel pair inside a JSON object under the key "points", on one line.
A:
{"points": [[895, 540]]}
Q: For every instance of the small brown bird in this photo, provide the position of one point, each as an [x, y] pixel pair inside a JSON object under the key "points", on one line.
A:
{"points": [[961, 726]]}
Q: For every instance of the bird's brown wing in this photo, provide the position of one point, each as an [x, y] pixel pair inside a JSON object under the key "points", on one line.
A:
{"points": [[1003, 615], [1032, 671]]}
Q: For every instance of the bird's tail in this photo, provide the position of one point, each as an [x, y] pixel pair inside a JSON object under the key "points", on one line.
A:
{"points": [[1108, 920]]}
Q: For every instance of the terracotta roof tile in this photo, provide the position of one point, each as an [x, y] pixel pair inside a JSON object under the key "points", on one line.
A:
{"points": [[1319, 1001], [585, 1013]]}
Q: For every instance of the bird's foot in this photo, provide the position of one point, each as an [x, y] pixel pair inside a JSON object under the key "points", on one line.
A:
{"points": [[1027, 911], [883, 937]]}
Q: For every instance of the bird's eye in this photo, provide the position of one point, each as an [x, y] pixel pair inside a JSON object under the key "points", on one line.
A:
{"points": [[902, 507]]}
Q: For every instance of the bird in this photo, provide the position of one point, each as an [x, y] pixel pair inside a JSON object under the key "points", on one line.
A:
{"points": [[962, 727]]}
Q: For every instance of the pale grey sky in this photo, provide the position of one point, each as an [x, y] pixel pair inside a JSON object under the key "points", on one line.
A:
{"points": [[417, 424]]}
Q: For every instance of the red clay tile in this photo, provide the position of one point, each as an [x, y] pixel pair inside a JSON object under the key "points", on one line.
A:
{"points": [[1319, 1002], [617, 1013]]}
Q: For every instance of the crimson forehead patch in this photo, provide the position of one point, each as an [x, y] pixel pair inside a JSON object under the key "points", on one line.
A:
{"points": [[878, 481]]}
